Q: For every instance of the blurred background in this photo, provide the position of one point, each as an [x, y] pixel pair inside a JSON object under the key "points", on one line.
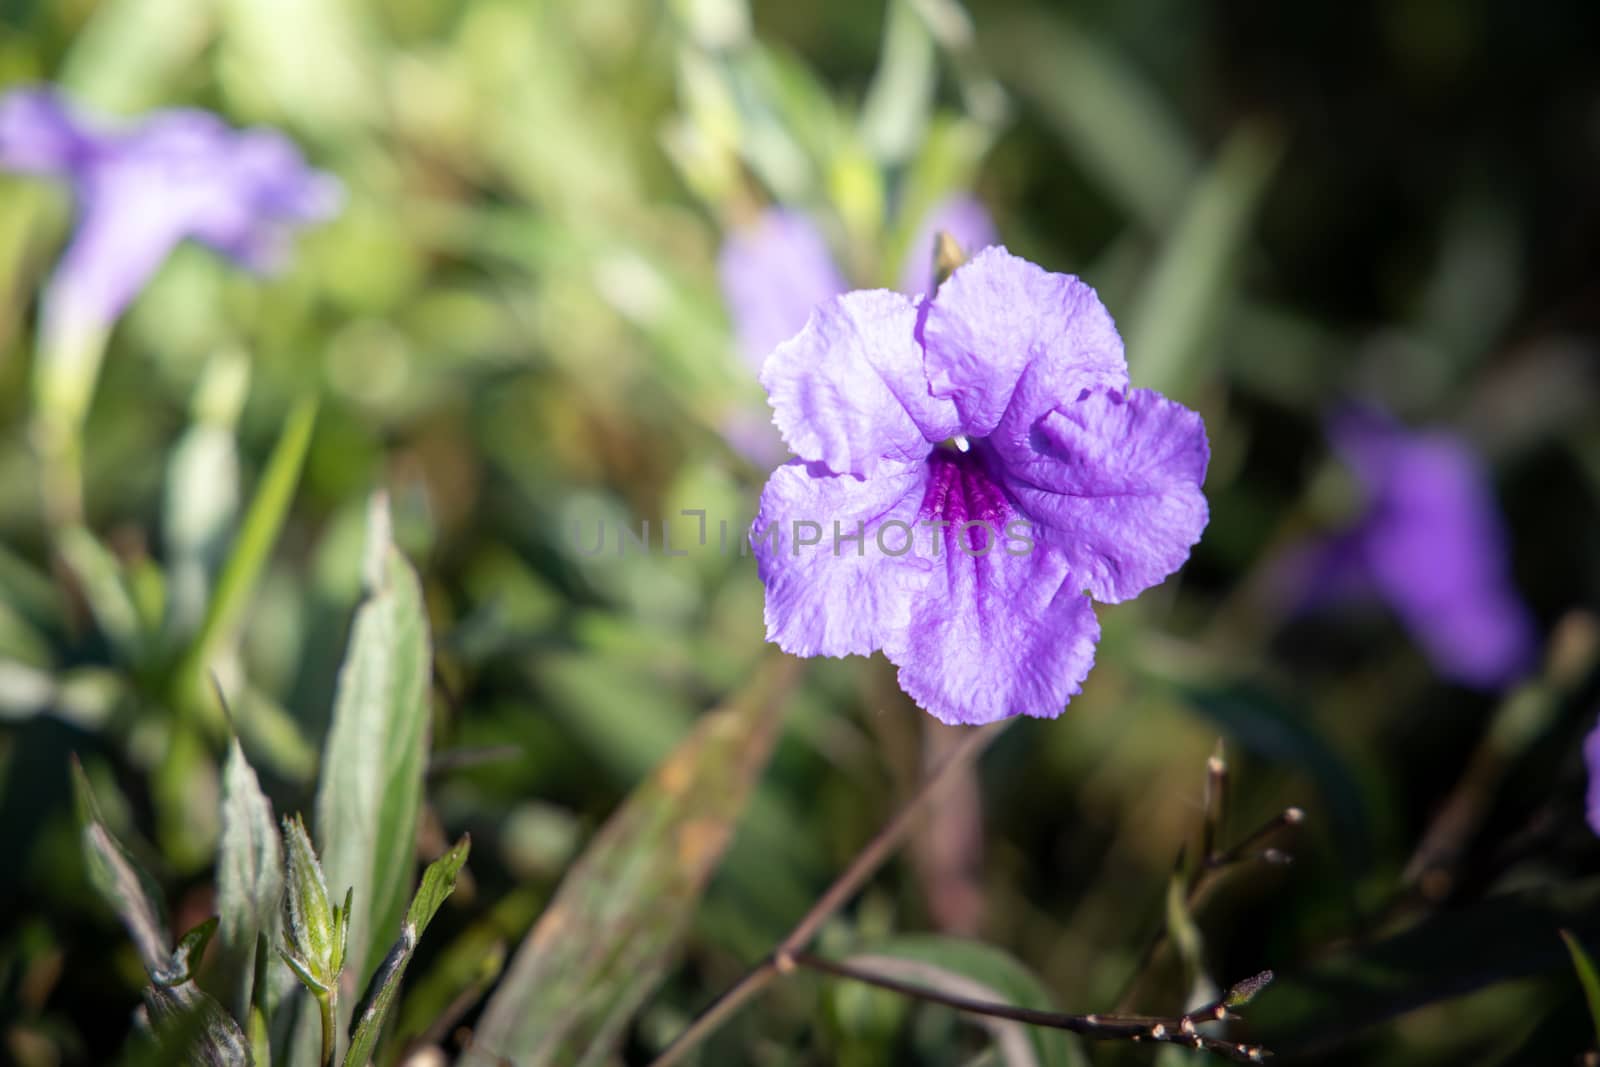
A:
{"points": [[515, 325]]}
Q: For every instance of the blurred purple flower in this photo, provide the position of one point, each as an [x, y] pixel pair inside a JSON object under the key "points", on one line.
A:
{"points": [[1431, 543], [776, 270], [143, 188], [999, 405], [1591, 758], [773, 273], [963, 218]]}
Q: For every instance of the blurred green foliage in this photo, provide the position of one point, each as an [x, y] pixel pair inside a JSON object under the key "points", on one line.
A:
{"points": [[515, 326]]}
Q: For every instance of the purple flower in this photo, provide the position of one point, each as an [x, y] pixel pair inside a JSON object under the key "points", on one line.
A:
{"points": [[773, 273], [1591, 757], [143, 188], [1431, 543], [776, 270], [963, 218], [968, 468]]}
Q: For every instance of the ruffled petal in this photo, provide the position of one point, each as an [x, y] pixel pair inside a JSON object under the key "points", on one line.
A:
{"points": [[1002, 629], [1436, 548], [1114, 486], [839, 595], [849, 392], [965, 219], [1004, 333], [773, 273]]}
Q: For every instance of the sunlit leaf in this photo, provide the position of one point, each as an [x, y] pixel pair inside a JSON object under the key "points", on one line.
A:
{"points": [[119, 879], [1173, 321], [438, 881], [372, 766], [603, 943], [247, 558], [249, 872], [1587, 977]]}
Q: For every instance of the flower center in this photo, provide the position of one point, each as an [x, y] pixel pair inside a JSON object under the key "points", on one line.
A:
{"points": [[962, 494]]}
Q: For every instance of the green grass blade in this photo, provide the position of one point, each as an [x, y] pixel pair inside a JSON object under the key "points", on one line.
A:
{"points": [[248, 558]]}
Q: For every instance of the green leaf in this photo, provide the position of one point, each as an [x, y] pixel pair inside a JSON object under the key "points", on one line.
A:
{"points": [[1442, 957], [1182, 301], [1587, 977], [1123, 133], [249, 873], [202, 491], [980, 972], [376, 752], [189, 1025], [603, 943], [248, 558], [438, 882], [130, 891], [105, 588]]}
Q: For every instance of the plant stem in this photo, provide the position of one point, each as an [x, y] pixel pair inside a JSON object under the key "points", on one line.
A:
{"points": [[329, 1006], [1176, 1029], [867, 862]]}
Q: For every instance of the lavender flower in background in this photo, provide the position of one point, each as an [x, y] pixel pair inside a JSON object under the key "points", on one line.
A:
{"points": [[1003, 397], [964, 219], [1430, 542], [140, 189], [1591, 759], [776, 270], [773, 272]]}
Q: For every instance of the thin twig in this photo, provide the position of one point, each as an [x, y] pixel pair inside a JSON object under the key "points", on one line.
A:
{"points": [[1213, 860], [864, 866], [1175, 1030]]}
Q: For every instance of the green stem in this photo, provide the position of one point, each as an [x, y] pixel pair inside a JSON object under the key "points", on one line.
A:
{"points": [[329, 1006]]}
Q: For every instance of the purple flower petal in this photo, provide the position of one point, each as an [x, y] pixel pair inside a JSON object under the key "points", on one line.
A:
{"points": [[1435, 546], [963, 218], [773, 273], [848, 391], [845, 597], [1114, 485], [40, 134], [1003, 333], [1591, 757], [141, 189], [996, 634]]}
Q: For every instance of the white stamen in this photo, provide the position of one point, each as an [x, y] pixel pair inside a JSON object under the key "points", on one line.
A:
{"points": [[962, 444]]}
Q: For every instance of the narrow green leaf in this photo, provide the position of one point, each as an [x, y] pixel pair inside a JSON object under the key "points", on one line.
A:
{"points": [[1181, 302], [106, 591], [131, 892], [248, 558], [249, 874], [1587, 977], [895, 112], [1123, 133], [376, 752], [202, 491], [980, 972], [438, 882], [180, 968], [603, 943]]}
